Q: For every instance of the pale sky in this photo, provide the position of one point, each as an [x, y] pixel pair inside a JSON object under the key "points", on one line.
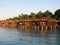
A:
{"points": [[11, 8]]}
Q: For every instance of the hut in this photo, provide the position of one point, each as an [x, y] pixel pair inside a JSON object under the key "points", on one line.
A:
{"points": [[41, 23]]}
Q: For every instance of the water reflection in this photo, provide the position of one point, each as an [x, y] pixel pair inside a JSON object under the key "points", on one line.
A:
{"points": [[20, 36]]}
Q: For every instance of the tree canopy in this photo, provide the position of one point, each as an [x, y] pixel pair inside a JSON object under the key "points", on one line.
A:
{"points": [[57, 14], [38, 15], [47, 13]]}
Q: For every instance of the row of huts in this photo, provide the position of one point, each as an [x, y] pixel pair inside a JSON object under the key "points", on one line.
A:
{"points": [[42, 23]]}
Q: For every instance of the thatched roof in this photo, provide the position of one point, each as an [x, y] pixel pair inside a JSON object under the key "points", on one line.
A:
{"points": [[40, 19]]}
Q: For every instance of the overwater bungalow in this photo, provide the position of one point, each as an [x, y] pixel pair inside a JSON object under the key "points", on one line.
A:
{"points": [[41, 23]]}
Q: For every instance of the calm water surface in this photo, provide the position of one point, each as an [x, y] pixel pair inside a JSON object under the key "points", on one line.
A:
{"points": [[16, 36]]}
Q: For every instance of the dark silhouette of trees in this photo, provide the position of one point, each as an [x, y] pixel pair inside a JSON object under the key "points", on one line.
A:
{"points": [[57, 14], [38, 15], [32, 15], [47, 13], [24, 16], [19, 17]]}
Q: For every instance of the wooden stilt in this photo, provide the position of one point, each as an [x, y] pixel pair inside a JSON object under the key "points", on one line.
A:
{"points": [[38, 28], [46, 27], [55, 27], [42, 28], [51, 27]]}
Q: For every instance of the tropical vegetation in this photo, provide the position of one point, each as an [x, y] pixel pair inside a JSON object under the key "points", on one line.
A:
{"points": [[40, 14]]}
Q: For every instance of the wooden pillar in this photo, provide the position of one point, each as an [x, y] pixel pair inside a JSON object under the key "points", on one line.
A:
{"points": [[51, 27], [41, 27], [55, 27], [46, 27], [38, 28]]}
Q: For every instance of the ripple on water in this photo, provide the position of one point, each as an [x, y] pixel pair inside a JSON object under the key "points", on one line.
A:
{"points": [[10, 36]]}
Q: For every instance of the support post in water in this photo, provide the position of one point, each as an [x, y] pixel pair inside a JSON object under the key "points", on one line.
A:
{"points": [[46, 27], [42, 28], [51, 27]]}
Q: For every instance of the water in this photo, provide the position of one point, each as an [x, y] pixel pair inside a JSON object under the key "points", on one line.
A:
{"points": [[16, 36]]}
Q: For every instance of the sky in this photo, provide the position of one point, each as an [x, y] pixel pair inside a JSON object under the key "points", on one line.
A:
{"points": [[11, 8]]}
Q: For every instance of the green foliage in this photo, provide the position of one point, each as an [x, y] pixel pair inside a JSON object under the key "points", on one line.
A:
{"points": [[15, 18], [9, 19], [47, 13], [19, 17], [57, 14], [24, 16], [38, 15], [32, 15]]}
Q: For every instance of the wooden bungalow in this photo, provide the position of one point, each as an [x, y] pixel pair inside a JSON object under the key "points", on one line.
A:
{"points": [[41, 23], [8, 23]]}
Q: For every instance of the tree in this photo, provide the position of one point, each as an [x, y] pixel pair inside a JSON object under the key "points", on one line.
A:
{"points": [[9, 19], [25, 16], [19, 17], [15, 18], [47, 13], [57, 14], [32, 15], [39, 14]]}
